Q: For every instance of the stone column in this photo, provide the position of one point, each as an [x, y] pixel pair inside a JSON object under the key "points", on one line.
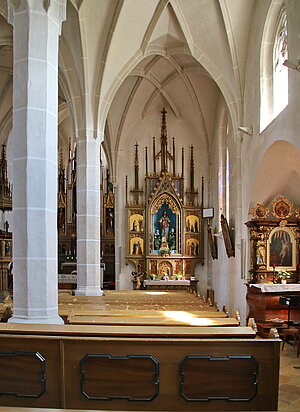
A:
{"points": [[88, 215], [37, 25]]}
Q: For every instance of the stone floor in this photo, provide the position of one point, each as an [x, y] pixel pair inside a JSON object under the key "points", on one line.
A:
{"points": [[289, 383]]}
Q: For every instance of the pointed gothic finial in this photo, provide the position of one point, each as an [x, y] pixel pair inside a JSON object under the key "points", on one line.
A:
{"points": [[146, 159], [3, 163], [126, 189], [136, 168], [5, 187], [164, 142], [202, 191], [163, 122], [182, 162], [154, 156], [136, 160], [61, 160], [174, 156], [192, 169]]}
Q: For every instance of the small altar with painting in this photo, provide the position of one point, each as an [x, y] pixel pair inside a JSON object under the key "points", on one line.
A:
{"points": [[164, 219], [265, 306], [274, 242], [274, 263]]}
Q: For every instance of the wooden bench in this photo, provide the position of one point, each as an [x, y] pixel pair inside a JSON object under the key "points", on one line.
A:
{"points": [[137, 368], [157, 321], [146, 313]]}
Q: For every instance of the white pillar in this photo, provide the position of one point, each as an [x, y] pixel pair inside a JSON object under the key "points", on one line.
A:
{"points": [[35, 102], [88, 215]]}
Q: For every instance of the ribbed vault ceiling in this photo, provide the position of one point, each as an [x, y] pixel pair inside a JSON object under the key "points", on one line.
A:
{"points": [[100, 38]]}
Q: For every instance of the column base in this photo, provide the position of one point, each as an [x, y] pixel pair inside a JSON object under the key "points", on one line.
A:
{"points": [[55, 320], [89, 291]]}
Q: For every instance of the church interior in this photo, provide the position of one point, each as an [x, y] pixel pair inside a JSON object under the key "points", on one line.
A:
{"points": [[150, 209]]}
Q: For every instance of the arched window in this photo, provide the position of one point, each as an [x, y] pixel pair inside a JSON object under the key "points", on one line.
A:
{"points": [[223, 173], [274, 75], [280, 72]]}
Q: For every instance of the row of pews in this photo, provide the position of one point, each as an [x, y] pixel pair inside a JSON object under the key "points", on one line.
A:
{"points": [[143, 308], [136, 351]]}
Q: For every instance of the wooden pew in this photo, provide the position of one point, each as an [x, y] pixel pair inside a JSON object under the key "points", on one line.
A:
{"points": [[145, 313], [137, 368], [137, 304], [133, 300], [157, 321]]}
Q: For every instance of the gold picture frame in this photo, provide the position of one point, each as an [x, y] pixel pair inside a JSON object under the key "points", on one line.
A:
{"points": [[281, 249]]}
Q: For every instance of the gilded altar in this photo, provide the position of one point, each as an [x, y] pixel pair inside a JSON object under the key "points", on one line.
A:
{"points": [[164, 219], [274, 242]]}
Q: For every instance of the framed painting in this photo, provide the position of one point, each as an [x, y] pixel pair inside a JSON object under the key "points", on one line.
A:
{"points": [[212, 242], [226, 236], [281, 249]]}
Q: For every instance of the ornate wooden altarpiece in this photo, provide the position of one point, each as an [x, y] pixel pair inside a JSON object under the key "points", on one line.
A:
{"points": [[274, 241], [108, 233], [66, 215], [5, 235], [164, 221]]}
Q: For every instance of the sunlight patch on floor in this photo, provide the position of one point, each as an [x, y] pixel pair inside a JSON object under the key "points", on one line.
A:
{"points": [[187, 317]]}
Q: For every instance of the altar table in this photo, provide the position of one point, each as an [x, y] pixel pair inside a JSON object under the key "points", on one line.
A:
{"points": [[171, 284], [264, 301]]}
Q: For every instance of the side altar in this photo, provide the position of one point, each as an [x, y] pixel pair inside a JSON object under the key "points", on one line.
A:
{"points": [[274, 242], [164, 219]]}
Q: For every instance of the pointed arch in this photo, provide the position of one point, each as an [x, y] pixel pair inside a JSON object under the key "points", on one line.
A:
{"points": [[70, 84], [102, 59], [156, 16], [277, 172]]}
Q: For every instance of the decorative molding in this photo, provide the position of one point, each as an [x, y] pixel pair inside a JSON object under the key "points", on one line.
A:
{"points": [[282, 208], [225, 364], [154, 379], [165, 198], [260, 211], [40, 378]]}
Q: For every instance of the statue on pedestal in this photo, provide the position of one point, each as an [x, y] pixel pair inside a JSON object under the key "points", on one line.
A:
{"points": [[164, 223]]}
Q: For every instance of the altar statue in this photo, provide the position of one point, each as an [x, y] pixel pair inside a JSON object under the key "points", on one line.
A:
{"points": [[157, 240], [172, 239], [164, 223]]}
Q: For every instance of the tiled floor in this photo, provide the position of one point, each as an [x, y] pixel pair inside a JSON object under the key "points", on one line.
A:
{"points": [[289, 383]]}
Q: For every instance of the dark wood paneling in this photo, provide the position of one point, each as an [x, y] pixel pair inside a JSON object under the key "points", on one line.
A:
{"points": [[64, 353], [232, 378], [22, 374], [130, 377]]}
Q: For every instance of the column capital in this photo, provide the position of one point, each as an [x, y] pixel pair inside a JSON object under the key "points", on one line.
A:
{"points": [[56, 9], [87, 135]]}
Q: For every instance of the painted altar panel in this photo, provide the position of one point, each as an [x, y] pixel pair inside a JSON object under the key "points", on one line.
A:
{"points": [[136, 222], [281, 249], [135, 225], [192, 232]]}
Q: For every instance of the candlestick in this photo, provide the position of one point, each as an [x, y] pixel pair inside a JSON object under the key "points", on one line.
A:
{"points": [[274, 266]]}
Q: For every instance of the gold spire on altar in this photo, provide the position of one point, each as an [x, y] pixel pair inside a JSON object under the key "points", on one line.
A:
{"points": [[5, 186]]}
